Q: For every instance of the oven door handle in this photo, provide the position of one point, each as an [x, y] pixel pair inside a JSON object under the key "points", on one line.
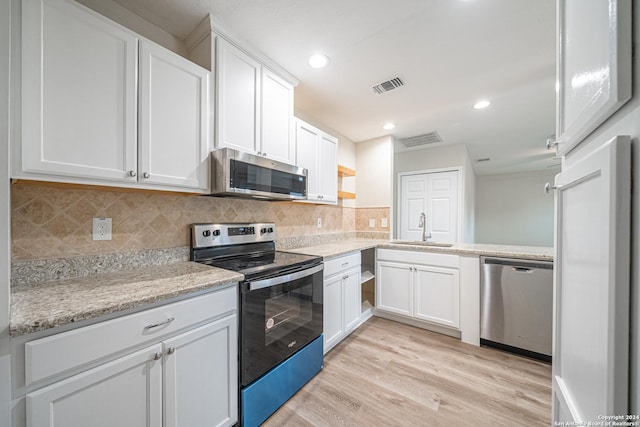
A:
{"points": [[265, 283]]}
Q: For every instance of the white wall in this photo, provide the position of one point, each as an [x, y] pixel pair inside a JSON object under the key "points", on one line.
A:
{"points": [[443, 156], [5, 365], [513, 209], [374, 173]]}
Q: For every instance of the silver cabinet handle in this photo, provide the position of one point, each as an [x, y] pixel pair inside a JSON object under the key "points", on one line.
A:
{"points": [[264, 154], [155, 325], [146, 175], [259, 153], [548, 187], [344, 264], [551, 142], [132, 173], [171, 350], [157, 356]]}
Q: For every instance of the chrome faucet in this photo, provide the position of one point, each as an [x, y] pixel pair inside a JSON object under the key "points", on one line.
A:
{"points": [[423, 223]]}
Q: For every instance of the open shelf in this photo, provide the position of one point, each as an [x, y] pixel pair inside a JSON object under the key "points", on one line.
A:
{"points": [[346, 195], [366, 275], [345, 171]]}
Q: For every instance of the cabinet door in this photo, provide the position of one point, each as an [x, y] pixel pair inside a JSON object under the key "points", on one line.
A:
{"points": [[200, 376], [394, 288], [352, 289], [238, 99], [442, 206], [593, 233], [328, 168], [78, 93], [332, 311], [124, 392], [307, 140], [594, 66], [174, 117], [437, 295], [277, 139]]}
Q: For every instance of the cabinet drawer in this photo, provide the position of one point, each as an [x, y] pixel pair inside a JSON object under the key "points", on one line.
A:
{"points": [[56, 354], [342, 263], [416, 257]]}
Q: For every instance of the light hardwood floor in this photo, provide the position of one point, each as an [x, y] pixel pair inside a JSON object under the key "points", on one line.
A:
{"points": [[390, 374]]}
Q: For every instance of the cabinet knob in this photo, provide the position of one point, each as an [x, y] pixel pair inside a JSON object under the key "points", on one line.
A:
{"points": [[171, 350], [146, 175], [157, 356], [264, 154], [132, 173], [259, 153], [551, 142], [548, 187]]}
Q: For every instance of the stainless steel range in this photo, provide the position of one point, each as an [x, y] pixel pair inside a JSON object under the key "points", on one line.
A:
{"points": [[280, 342]]}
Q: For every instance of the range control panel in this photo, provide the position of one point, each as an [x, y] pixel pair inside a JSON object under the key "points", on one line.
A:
{"points": [[207, 235]]}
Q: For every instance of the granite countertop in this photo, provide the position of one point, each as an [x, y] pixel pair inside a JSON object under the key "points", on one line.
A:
{"points": [[39, 306], [342, 247]]}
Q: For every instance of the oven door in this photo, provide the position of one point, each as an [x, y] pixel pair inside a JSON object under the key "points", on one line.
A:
{"points": [[279, 316]]}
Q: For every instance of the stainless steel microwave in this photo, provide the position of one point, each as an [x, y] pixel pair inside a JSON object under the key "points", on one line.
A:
{"points": [[235, 173]]}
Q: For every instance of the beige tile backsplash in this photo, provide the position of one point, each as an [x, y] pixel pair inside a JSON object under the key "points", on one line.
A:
{"points": [[51, 222]]}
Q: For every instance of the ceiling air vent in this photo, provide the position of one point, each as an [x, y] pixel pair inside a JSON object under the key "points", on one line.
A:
{"points": [[390, 84], [415, 141]]}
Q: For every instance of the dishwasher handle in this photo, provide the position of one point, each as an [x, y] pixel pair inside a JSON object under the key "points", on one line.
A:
{"points": [[522, 270]]}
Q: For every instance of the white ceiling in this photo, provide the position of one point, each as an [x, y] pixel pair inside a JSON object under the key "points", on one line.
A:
{"points": [[450, 54]]}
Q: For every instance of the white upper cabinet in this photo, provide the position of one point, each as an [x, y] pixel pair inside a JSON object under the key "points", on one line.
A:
{"points": [[174, 99], [318, 153], [78, 93], [594, 66], [80, 109], [254, 107]]}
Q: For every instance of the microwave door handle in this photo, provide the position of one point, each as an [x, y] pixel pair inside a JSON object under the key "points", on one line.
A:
{"points": [[265, 283]]}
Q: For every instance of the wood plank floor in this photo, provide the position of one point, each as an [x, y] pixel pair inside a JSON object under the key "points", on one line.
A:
{"points": [[390, 374]]}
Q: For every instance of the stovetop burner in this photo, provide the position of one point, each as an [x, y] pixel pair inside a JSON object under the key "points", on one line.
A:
{"points": [[264, 264]]}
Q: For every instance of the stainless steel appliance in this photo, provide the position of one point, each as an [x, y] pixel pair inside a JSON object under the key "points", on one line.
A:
{"points": [[280, 342], [516, 305], [234, 173]]}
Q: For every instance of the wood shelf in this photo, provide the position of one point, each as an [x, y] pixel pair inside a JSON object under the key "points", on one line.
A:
{"points": [[346, 195], [345, 171]]}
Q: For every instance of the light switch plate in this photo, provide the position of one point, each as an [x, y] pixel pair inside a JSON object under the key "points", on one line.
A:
{"points": [[101, 228]]}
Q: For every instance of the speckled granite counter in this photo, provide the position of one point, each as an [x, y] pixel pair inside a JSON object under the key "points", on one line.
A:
{"points": [[40, 306], [335, 249], [338, 248]]}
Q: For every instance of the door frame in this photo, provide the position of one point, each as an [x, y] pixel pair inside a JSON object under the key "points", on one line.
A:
{"points": [[460, 219]]}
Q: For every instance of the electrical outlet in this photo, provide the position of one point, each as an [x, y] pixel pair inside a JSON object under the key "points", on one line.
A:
{"points": [[372, 223], [101, 228], [319, 223], [383, 223]]}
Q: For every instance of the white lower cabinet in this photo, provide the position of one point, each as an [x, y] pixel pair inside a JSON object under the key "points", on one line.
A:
{"points": [[189, 379], [421, 286], [342, 299]]}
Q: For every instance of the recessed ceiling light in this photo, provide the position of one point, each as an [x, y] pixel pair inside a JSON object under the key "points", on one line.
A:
{"points": [[389, 126], [481, 104], [319, 60]]}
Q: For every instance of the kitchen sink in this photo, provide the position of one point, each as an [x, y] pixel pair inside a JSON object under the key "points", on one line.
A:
{"points": [[420, 243]]}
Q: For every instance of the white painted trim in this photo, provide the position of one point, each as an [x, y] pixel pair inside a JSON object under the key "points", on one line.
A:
{"points": [[417, 323], [461, 206]]}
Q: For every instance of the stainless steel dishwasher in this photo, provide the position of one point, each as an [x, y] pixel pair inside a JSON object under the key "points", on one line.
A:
{"points": [[516, 305]]}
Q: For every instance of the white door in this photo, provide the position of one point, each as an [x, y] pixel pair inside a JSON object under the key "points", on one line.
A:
{"points": [[174, 118], [328, 168], [594, 66], [591, 301], [442, 206], [413, 204], [124, 392], [352, 289], [238, 99], [394, 287], [200, 376], [278, 141], [436, 295], [307, 140], [333, 312], [435, 195], [78, 93]]}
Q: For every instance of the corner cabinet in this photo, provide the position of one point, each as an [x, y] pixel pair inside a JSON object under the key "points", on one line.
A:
{"points": [[342, 298], [317, 152], [254, 107], [188, 379], [81, 106], [419, 285]]}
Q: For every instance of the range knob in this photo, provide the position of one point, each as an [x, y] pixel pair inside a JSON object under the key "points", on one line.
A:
{"points": [[263, 230], [206, 233], [216, 232], [270, 230]]}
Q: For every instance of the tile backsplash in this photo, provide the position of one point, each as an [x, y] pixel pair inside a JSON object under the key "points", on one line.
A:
{"points": [[51, 222]]}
